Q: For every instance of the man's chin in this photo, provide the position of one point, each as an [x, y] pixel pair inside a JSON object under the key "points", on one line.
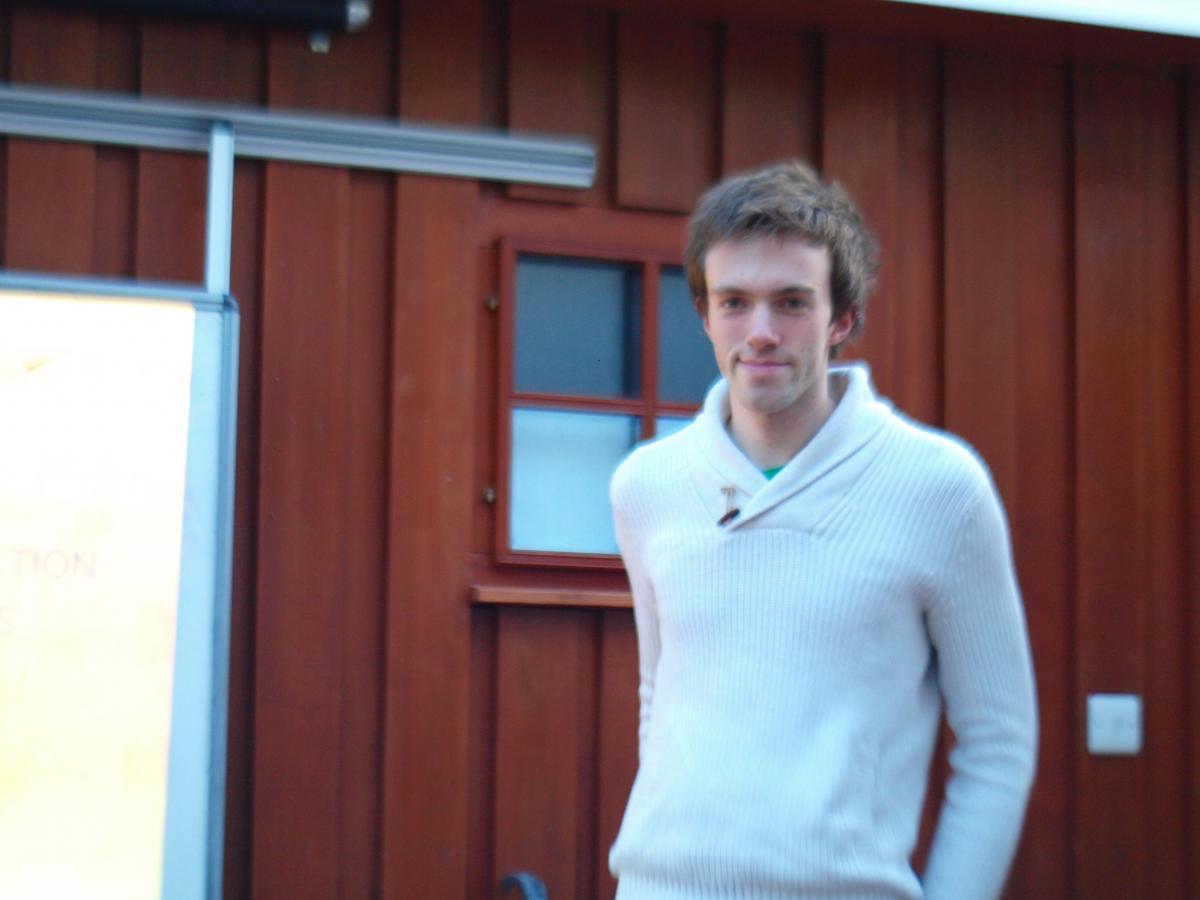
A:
{"points": [[763, 402]]}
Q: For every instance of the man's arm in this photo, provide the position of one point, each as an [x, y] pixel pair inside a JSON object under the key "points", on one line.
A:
{"points": [[986, 677], [645, 615]]}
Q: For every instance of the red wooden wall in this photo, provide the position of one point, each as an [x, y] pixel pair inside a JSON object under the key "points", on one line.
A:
{"points": [[395, 732]]}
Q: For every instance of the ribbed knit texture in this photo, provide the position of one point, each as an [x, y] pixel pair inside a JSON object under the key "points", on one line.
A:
{"points": [[793, 663]]}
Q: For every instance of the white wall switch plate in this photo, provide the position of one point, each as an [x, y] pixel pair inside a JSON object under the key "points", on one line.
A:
{"points": [[1114, 724]]}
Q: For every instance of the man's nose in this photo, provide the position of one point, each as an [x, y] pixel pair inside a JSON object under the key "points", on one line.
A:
{"points": [[762, 327]]}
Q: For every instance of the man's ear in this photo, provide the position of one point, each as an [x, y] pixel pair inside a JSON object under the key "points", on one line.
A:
{"points": [[704, 319], [840, 328]]}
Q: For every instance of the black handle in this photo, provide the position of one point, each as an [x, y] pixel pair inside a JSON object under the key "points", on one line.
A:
{"points": [[530, 886]]}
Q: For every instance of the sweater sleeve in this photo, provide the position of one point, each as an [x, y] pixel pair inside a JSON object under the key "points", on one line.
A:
{"points": [[985, 674], [645, 611]]}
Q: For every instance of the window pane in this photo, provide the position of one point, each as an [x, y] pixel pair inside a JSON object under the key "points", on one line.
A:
{"points": [[561, 466], [666, 425], [578, 327], [686, 366]]}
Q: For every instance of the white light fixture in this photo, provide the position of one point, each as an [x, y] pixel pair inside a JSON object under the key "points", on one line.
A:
{"points": [[1180, 17]]}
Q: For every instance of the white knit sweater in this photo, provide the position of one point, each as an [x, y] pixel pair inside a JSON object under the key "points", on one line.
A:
{"points": [[793, 663]]}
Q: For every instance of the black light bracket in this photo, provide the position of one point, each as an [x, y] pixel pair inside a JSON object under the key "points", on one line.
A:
{"points": [[316, 16]]}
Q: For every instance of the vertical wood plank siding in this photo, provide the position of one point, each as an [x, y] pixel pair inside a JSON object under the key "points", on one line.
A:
{"points": [[430, 468], [363, 611], [246, 284], [302, 540], [618, 719], [1192, 474], [768, 97], [880, 140], [1040, 296], [1165, 436], [545, 747], [118, 67], [1007, 388], [559, 82], [1128, 450], [59, 237], [666, 121], [326, 317]]}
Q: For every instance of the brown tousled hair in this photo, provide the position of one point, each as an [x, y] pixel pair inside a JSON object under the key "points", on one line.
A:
{"points": [[788, 200]]}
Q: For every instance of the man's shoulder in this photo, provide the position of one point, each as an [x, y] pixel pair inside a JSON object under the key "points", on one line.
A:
{"points": [[940, 458], [652, 464]]}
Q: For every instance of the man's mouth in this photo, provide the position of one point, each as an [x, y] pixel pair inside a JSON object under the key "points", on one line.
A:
{"points": [[761, 365]]}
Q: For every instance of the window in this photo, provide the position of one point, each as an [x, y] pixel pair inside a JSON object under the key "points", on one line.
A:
{"points": [[598, 352]]}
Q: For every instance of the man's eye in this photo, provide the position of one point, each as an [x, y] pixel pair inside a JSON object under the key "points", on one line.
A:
{"points": [[732, 303], [793, 303]]}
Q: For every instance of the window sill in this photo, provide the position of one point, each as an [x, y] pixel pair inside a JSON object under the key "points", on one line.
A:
{"points": [[523, 596]]}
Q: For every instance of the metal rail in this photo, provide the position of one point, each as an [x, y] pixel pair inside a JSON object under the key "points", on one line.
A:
{"points": [[321, 139], [228, 131]]}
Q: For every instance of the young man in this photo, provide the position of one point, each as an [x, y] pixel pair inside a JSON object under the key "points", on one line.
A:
{"points": [[813, 576]]}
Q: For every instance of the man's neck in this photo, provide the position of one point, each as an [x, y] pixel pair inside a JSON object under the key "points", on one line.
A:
{"points": [[771, 440]]}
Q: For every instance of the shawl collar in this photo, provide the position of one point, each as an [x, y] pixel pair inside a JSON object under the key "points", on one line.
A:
{"points": [[824, 470]]}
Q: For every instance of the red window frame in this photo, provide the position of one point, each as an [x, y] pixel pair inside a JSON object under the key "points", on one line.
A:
{"points": [[647, 405]]}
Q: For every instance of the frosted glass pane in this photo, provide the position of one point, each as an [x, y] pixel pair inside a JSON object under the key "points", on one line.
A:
{"points": [[686, 366], [578, 325], [669, 425], [561, 466]]}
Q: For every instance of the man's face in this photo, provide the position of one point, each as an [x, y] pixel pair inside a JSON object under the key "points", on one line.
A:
{"points": [[769, 317]]}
